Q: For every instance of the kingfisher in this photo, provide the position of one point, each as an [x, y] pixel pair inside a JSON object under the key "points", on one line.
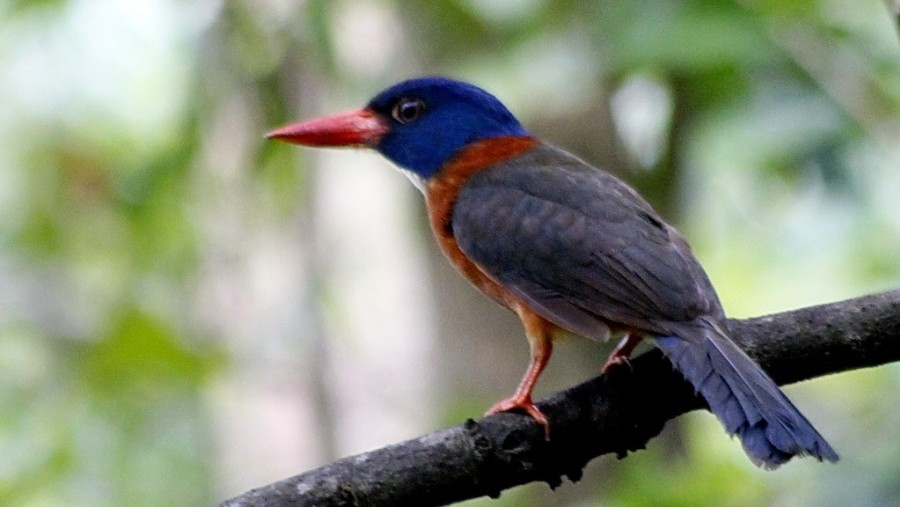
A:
{"points": [[566, 246]]}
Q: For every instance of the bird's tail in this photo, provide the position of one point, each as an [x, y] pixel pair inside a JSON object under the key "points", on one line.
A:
{"points": [[743, 397]]}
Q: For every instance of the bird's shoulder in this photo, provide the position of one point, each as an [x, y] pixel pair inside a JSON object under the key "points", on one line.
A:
{"points": [[550, 174], [442, 190]]}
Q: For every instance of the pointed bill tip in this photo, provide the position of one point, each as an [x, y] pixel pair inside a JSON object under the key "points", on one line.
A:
{"points": [[274, 134]]}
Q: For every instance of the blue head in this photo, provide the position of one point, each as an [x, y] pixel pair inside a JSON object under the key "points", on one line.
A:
{"points": [[418, 124], [431, 119]]}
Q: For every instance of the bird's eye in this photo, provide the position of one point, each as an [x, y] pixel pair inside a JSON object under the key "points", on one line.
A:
{"points": [[408, 110]]}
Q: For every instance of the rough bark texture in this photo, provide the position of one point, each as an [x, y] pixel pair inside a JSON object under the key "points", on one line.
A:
{"points": [[615, 413]]}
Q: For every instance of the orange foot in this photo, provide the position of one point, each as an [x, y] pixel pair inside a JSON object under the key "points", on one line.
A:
{"points": [[615, 360], [522, 403], [622, 351]]}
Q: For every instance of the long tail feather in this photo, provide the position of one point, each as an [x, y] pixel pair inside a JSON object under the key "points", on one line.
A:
{"points": [[743, 397]]}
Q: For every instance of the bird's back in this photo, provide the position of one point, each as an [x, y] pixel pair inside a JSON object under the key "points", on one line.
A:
{"points": [[579, 244]]}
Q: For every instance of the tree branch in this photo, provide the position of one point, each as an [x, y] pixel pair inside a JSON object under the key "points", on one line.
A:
{"points": [[614, 413]]}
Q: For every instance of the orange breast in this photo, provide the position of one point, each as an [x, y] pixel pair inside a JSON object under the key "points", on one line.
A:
{"points": [[441, 191]]}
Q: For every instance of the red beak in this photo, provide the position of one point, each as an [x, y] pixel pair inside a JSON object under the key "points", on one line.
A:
{"points": [[361, 127]]}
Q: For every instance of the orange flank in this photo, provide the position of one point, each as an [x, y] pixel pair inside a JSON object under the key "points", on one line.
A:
{"points": [[440, 192]]}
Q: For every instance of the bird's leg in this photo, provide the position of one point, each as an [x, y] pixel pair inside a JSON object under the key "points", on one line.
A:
{"points": [[539, 334], [624, 349]]}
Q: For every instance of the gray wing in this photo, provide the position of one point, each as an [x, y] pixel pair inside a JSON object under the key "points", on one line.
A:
{"points": [[579, 246]]}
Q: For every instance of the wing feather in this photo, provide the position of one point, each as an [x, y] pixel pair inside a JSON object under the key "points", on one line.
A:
{"points": [[578, 245]]}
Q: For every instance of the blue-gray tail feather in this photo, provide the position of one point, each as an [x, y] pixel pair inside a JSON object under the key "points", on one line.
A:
{"points": [[743, 397]]}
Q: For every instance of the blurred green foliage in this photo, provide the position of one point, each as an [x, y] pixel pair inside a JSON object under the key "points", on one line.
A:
{"points": [[130, 137]]}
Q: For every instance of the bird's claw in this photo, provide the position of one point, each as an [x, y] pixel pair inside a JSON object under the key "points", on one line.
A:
{"points": [[620, 354], [525, 404], [615, 360]]}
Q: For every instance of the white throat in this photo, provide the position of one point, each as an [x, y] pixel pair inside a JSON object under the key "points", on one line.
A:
{"points": [[415, 178]]}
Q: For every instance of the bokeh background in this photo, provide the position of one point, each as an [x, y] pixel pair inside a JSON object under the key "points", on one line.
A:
{"points": [[188, 311]]}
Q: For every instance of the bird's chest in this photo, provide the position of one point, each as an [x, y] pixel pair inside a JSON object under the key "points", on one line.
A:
{"points": [[441, 192]]}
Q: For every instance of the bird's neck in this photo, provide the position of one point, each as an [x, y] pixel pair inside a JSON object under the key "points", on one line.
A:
{"points": [[477, 156], [441, 191]]}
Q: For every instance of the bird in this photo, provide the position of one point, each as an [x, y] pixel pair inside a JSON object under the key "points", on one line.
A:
{"points": [[567, 247]]}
